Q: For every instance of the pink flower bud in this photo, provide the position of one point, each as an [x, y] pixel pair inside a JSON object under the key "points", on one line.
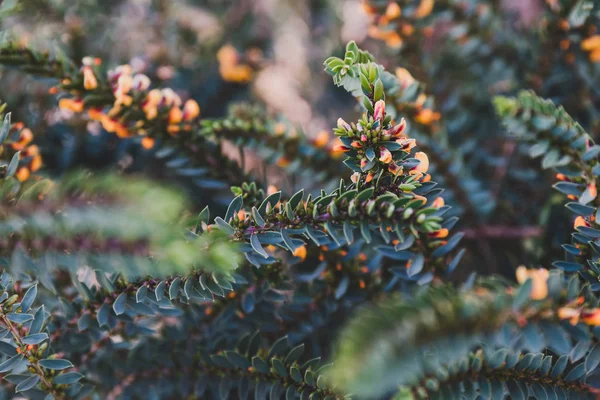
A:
{"points": [[379, 110]]}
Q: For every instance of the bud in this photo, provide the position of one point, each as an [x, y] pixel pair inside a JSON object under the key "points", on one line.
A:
{"points": [[343, 124], [379, 110]]}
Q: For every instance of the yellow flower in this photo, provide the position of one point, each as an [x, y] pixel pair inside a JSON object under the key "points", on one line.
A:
{"points": [[539, 278]]}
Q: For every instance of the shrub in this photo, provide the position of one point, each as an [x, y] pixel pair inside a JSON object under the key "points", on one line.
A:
{"points": [[388, 265]]}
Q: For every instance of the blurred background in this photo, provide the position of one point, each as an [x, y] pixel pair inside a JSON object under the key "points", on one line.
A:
{"points": [[270, 53]]}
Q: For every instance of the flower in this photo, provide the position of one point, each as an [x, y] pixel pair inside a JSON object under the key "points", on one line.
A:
{"points": [[343, 124], [321, 140], [355, 177], [592, 45], [25, 137], [89, 79], [591, 317], [427, 116], [539, 278], [300, 252], [579, 221], [407, 144], [423, 164], [148, 143], [424, 9], [571, 314], [405, 77], [394, 169], [379, 110], [385, 156], [442, 233], [438, 202], [74, 105], [393, 10], [397, 130]]}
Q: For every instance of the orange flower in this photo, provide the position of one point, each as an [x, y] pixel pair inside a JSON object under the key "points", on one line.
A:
{"points": [[369, 177], [300, 252], [36, 163], [539, 278], [423, 164], [272, 189], [25, 137], [442, 233], [394, 169], [439, 202], [591, 317], [385, 156], [175, 116], [397, 130], [148, 143], [95, 114], [427, 116], [592, 189], [283, 162], [579, 221], [75, 105], [424, 8], [590, 44], [191, 110], [321, 140], [393, 10], [571, 314], [394, 40], [407, 144], [89, 79], [22, 174]]}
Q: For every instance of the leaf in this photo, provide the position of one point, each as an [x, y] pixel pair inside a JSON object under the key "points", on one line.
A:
{"points": [[593, 359], [7, 349], [11, 363], [4, 128], [14, 163], [68, 378], [272, 200], [36, 338], [28, 298], [58, 364], [119, 304], [257, 217], [27, 384], [255, 243], [235, 206], [19, 318], [294, 354], [224, 226]]}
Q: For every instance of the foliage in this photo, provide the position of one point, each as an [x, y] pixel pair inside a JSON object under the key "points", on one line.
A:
{"points": [[343, 263]]}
